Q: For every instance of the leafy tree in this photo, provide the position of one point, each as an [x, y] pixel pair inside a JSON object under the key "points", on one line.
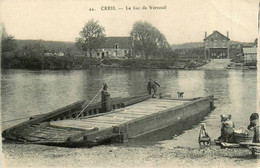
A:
{"points": [[33, 55], [8, 42], [91, 37], [256, 42], [167, 53], [8, 47], [147, 39], [33, 49]]}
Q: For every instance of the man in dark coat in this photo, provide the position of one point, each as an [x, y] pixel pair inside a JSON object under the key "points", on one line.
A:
{"points": [[254, 126], [152, 85]]}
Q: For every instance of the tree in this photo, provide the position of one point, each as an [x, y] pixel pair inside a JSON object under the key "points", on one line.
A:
{"points": [[256, 42], [8, 42], [147, 39], [34, 49], [8, 48], [32, 55], [91, 37]]}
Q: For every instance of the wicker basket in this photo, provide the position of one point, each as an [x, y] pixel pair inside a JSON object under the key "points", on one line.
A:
{"points": [[243, 137]]}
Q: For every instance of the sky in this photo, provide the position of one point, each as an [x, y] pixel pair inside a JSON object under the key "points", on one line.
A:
{"points": [[181, 22]]}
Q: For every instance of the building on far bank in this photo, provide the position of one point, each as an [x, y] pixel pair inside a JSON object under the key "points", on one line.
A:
{"points": [[216, 46], [60, 54], [250, 54], [116, 47]]}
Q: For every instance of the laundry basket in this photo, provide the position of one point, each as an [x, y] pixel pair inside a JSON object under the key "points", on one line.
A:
{"points": [[242, 135]]}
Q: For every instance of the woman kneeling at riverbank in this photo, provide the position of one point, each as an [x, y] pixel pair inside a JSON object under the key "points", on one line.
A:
{"points": [[227, 129]]}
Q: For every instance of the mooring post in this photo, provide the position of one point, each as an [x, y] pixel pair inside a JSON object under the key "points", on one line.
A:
{"points": [[105, 99]]}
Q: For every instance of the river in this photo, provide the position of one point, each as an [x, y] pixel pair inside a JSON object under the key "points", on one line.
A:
{"points": [[27, 92]]}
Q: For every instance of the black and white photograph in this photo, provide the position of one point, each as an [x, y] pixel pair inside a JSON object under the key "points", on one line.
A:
{"points": [[129, 83]]}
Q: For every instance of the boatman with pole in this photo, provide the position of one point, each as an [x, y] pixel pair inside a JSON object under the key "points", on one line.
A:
{"points": [[105, 99], [152, 85]]}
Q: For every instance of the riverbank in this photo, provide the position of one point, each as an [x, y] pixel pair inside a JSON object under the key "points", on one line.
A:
{"points": [[125, 156], [80, 63]]}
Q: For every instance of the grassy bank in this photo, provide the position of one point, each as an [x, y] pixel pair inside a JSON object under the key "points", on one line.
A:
{"points": [[48, 62], [139, 63], [69, 63]]}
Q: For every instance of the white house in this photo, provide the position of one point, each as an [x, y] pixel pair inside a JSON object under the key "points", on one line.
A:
{"points": [[117, 47]]}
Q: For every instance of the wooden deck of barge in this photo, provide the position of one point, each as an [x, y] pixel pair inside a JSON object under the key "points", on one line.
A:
{"points": [[134, 117], [119, 116]]}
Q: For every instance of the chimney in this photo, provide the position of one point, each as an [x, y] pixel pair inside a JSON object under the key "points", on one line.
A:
{"points": [[227, 34], [205, 34]]}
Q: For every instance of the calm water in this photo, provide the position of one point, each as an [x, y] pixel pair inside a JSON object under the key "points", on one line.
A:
{"points": [[25, 93]]}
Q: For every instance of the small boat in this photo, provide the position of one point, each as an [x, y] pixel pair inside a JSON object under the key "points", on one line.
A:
{"points": [[110, 120]]}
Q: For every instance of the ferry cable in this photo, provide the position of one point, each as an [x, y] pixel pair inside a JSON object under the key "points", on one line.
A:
{"points": [[91, 100], [15, 119]]}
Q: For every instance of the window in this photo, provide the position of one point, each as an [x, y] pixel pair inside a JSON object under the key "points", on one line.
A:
{"points": [[206, 43], [215, 43], [224, 43]]}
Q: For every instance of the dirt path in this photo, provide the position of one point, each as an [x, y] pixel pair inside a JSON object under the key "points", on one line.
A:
{"points": [[20, 155], [216, 64]]}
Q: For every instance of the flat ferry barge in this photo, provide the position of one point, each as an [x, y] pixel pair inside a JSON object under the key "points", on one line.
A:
{"points": [[110, 120]]}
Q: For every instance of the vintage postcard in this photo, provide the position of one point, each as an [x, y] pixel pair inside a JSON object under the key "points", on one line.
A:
{"points": [[119, 83]]}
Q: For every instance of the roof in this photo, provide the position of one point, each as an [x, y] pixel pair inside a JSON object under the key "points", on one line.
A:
{"points": [[214, 32], [122, 42], [251, 50]]}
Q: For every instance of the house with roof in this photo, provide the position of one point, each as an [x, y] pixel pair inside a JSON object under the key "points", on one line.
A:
{"points": [[216, 46], [116, 47], [250, 54]]}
